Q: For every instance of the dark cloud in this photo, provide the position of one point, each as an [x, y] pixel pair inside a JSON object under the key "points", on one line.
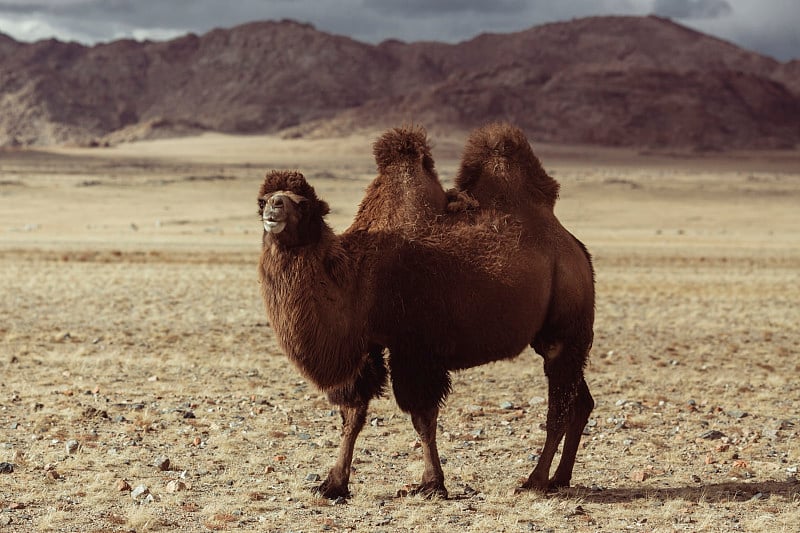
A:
{"points": [[424, 8], [692, 9]]}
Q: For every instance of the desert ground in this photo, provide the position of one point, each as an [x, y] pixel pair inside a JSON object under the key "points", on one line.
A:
{"points": [[141, 388]]}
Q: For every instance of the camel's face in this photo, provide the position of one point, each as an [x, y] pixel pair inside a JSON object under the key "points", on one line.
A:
{"points": [[290, 211], [279, 209]]}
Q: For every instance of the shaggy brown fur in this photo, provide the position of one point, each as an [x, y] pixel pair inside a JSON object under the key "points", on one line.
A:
{"points": [[407, 191], [476, 288], [499, 169]]}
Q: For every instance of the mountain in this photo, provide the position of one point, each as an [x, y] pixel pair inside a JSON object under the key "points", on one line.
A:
{"points": [[623, 81]]}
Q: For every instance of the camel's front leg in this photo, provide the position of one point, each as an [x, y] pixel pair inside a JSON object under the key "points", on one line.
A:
{"points": [[353, 400], [335, 485], [432, 477]]}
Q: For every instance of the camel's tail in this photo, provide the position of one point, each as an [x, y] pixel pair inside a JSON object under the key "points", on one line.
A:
{"points": [[404, 147], [500, 151]]}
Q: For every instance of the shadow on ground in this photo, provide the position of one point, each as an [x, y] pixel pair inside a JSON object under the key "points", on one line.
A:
{"points": [[734, 491]]}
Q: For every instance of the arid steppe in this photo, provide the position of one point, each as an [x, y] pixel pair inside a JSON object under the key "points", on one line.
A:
{"points": [[135, 351]]}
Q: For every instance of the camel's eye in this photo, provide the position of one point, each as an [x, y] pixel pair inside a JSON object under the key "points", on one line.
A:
{"points": [[261, 204]]}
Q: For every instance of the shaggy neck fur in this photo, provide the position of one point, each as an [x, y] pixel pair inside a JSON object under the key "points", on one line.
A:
{"points": [[311, 298]]}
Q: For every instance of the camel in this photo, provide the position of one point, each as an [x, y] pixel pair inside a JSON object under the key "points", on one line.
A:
{"points": [[478, 286]]}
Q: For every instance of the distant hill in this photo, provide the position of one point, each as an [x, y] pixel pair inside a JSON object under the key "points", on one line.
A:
{"points": [[621, 81]]}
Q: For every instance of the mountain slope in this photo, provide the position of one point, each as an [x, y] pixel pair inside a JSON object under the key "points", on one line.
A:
{"points": [[624, 81]]}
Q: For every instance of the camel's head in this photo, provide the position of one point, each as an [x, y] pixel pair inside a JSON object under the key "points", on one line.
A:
{"points": [[289, 208], [498, 166]]}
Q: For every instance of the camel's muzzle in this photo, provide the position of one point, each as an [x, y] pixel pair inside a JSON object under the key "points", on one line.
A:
{"points": [[274, 215]]}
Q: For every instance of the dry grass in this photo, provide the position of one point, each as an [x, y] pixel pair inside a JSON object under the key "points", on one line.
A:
{"points": [[149, 342]]}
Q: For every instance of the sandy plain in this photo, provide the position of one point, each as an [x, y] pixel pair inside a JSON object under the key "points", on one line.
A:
{"points": [[131, 331]]}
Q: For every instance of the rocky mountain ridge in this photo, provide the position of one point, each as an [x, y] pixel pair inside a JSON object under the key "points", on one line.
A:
{"points": [[620, 81]]}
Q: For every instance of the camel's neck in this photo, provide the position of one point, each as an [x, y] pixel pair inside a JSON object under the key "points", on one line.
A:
{"points": [[311, 296]]}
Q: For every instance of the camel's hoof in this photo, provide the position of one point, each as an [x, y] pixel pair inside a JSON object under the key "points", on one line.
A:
{"points": [[331, 491], [427, 490], [555, 485], [533, 485], [545, 488]]}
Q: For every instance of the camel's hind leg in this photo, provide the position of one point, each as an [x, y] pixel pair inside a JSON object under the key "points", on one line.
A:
{"points": [[353, 401], [569, 406], [579, 415]]}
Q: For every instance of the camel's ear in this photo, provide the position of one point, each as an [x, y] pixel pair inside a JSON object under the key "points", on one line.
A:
{"points": [[323, 208]]}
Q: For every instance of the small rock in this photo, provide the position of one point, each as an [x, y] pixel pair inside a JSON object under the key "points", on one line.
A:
{"points": [[506, 405], [313, 477], [536, 400], [140, 492], [72, 446], [176, 485], [384, 521], [639, 475], [341, 500], [712, 434], [189, 414], [736, 414], [6, 468], [269, 469], [696, 478], [770, 433], [122, 485], [162, 463], [5, 520], [52, 474]]}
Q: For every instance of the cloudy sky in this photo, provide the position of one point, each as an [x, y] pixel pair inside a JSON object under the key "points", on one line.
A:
{"points": [[771, 27]]}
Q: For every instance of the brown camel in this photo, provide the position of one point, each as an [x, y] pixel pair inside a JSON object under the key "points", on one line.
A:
{"points": [[475, 288]]}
